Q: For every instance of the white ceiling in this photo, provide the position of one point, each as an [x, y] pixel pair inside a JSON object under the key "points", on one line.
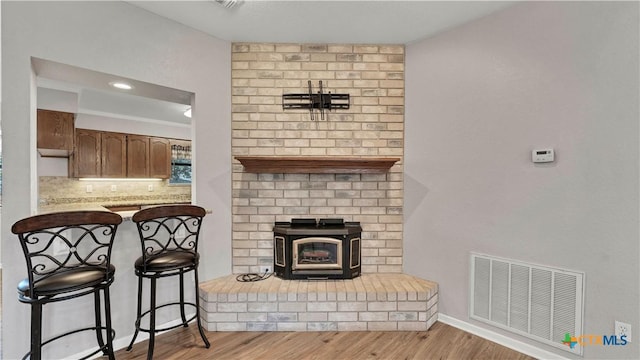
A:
{"points": [[293, 21], [313, 21], [82, 91]]}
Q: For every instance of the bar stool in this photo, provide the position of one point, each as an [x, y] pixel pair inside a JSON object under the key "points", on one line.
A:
{"points": [[169, 238], [68, 255]]}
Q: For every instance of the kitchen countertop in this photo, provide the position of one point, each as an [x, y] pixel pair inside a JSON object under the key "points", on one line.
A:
{"points": [[126, 214], [45, 209]]}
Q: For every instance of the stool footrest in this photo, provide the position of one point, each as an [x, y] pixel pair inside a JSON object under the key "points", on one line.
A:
{"points": [[185, 323], [101, 348]]}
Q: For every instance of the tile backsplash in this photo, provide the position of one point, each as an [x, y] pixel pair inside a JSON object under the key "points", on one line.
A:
{"points": [[58, 190]]}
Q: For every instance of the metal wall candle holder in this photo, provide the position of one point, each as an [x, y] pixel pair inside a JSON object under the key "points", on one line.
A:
{"points": [[313, 101]]}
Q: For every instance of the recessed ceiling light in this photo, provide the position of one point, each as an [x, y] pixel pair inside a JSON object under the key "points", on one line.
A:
{"points": [[121, 85], [187, 113]]}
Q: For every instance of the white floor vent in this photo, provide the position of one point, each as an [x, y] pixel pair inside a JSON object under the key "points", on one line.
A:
{"points": [[538, 302]]}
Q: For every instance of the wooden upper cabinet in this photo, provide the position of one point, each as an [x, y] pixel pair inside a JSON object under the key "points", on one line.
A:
{"points": [[114, 155], [148, 157], [99, 154], [55, 133], [159, 158], [117, 155], [137, 156], [87, 157]]}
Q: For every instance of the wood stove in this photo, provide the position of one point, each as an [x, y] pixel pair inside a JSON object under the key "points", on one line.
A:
{"points": [[324, 249]]}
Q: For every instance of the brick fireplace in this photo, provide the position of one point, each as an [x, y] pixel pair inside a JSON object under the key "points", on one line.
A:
{"points": [[381, 297], [373, 75]]}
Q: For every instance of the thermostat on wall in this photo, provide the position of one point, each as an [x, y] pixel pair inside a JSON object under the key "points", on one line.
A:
{"points": [[542, 155]]}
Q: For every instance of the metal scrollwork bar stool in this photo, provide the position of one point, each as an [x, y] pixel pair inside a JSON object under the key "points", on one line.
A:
{"points": [[169, 238], [68, 255]]}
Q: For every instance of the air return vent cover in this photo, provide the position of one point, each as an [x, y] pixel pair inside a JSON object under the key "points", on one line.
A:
{"points": [[538, 302]]}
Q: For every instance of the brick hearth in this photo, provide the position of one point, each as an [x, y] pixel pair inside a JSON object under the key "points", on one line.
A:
{"points": [[370, 302]]}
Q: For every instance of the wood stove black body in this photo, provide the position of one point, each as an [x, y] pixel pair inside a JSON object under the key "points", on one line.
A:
{"points": [[317, 250]]}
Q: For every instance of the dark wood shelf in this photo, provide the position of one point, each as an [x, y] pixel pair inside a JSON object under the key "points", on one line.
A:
{"points": [[316, 164]]}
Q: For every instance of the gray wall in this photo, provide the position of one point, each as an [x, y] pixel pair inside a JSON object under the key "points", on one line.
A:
{"points": [[116, 38], [479, 98], [482, 96]]}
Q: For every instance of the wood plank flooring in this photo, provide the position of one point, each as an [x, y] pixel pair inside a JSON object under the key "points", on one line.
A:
{"points": [[440, 342]]}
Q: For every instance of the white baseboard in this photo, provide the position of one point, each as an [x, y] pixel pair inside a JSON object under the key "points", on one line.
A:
{"points": [[516, 345], [123, 342]]}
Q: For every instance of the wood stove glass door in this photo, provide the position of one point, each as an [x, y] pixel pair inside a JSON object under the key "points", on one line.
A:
{"points": [[317, 253]]}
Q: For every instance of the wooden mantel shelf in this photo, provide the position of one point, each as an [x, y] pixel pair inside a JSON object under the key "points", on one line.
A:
{"points": [[316, 164]]}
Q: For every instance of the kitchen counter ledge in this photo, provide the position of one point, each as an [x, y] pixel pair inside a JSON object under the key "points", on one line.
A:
{"points": [[126, 214], [45, 209]]}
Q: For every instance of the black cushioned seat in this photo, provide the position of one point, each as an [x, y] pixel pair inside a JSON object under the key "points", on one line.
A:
{"points": [[67, 281], [167, 261]]}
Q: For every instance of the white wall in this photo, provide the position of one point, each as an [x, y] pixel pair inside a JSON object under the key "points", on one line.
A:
{"points": [[482, 96], [116, 38], [159, 128]]}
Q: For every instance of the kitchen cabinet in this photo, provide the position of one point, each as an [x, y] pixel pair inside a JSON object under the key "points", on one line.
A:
{"points": [[114, 155], [148, 157], [86, 160], [99, 154], [117, 155], [55, 133], [159, 158], [137, 156]]}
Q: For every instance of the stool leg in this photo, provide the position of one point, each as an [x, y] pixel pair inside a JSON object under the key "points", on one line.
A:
{"points": [[107, 315], [199, 322], [152, 319], [139, 311], [36, 331], [182, 315], [98, 319]]}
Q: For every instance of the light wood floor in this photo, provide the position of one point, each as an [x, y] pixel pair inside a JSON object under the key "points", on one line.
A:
{"points": [[440, 342]]}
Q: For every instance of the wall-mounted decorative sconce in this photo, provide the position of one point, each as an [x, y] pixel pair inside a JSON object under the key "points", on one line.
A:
{"points": [[312, 101]]}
